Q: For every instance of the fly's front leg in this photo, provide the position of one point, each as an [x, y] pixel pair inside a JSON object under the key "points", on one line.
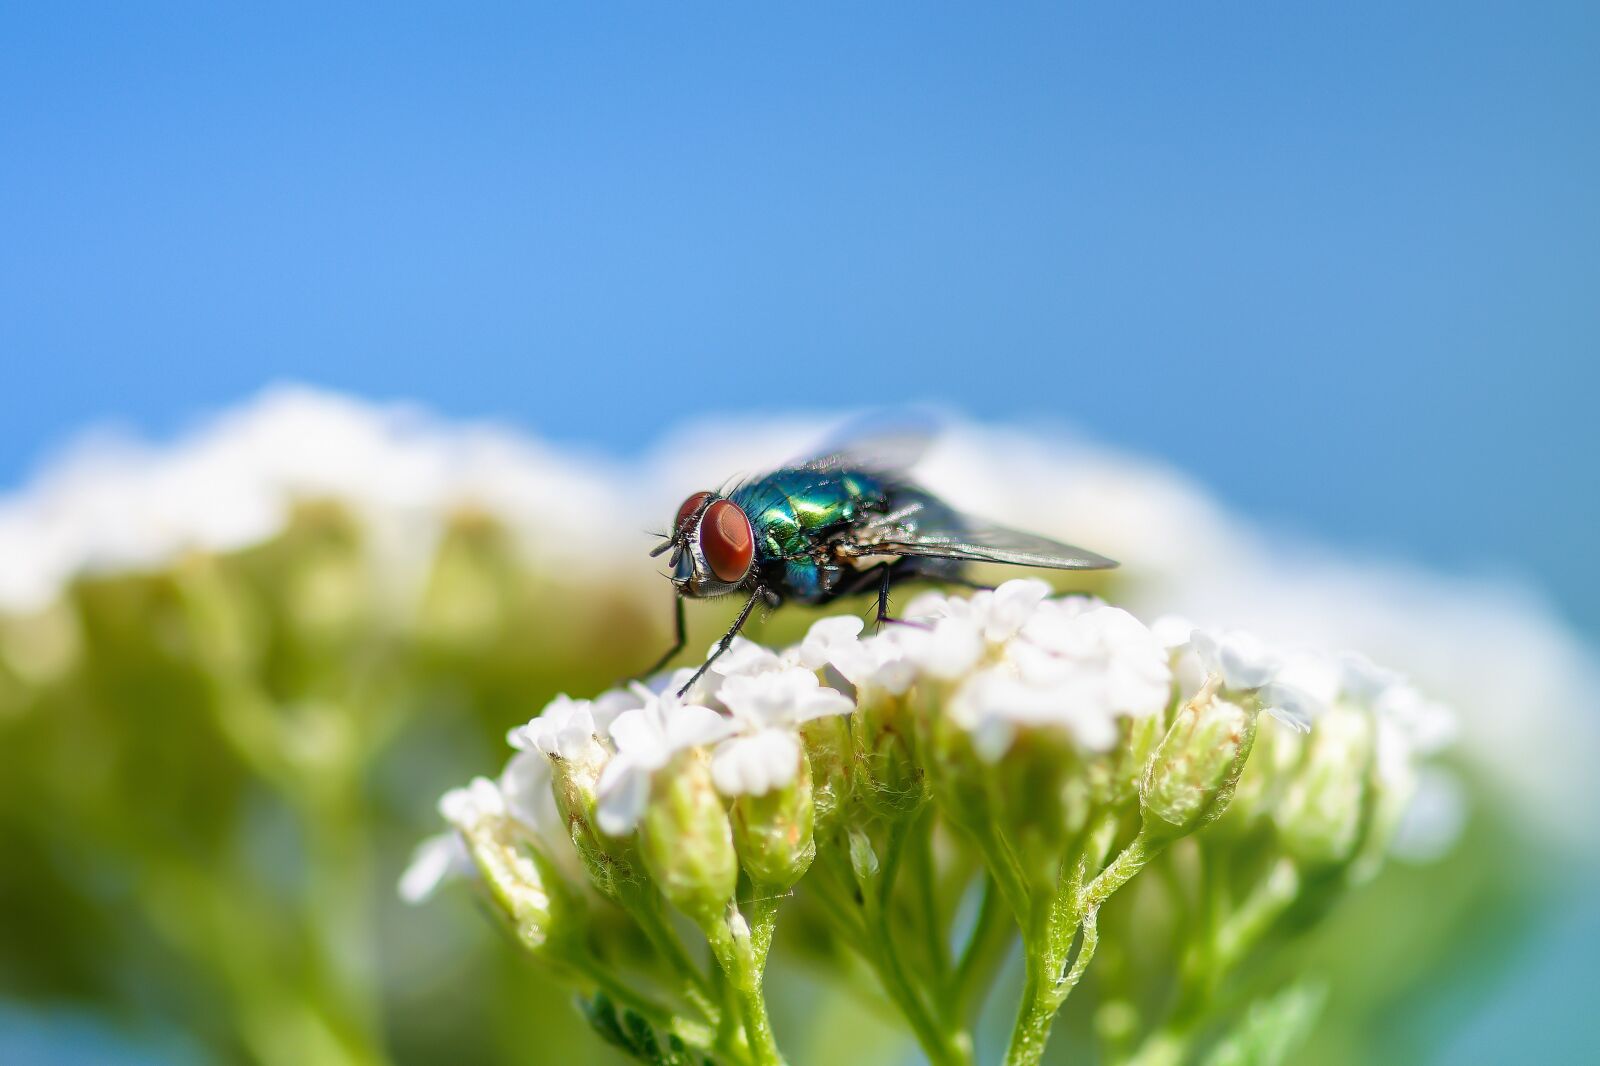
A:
{"points": [[727, 638], [681, 638]]}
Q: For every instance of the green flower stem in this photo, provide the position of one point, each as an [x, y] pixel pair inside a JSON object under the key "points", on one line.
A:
{"points": [[1239, 931], [833, 889], [697, 990], [1046, 987], [942, 1046], [1140, 850], [735, 952], [1227, 934], [925, 877], [844, 899], [583, 968], [1003, 867]]}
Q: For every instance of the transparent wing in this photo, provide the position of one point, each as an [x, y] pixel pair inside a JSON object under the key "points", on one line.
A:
{"points": [[888, 442], [908, 532]]}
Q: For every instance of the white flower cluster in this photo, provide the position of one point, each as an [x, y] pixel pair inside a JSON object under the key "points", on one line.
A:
{"points": [[116, 505], [1518, 676], [1004, 663]]}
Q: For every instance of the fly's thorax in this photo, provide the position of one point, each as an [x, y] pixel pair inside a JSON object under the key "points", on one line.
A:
{"points": [[795, 511]]}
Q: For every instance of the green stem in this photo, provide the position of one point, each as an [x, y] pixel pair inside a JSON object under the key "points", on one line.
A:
{"points": [[925, 873], [844, 897], [693, 1033], [1140, 850], [941, 1047], [735, 952], [1047, 987], [1007, 874], [645, 909]]}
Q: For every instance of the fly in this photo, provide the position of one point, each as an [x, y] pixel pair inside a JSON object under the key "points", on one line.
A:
{"points": [[847, 522]]}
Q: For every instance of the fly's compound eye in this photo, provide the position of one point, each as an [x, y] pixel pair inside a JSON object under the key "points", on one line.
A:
{"points": [[727, 541], [690, 508]]}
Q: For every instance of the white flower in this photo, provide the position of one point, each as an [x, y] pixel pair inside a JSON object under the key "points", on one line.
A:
{"points": [[1076, 665], [756, 763], [436, 860], [1173, 631], [1294, 689], [466, 807], [829, 638], [1363, 680], [747, 657], [647, 738], [525, 786], [1427, 725], [780, 697], [946, 649], [766, 708], [570, 729], [1243, 661], [996, 615]]}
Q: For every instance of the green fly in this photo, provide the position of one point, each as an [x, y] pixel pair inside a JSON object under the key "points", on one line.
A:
{"points": [[847, 522]]}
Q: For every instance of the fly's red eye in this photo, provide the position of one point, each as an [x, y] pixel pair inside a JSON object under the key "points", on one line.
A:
{"points": [[727, 541], [690, 506]]}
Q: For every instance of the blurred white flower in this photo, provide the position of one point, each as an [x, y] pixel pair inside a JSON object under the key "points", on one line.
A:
{"points": [[1434, 818], [436, 860], [1239, 657], [828, 638], [525, 785], [1293, 689], [996, 615], [478, 801], [747, 657], [1427, 725]]}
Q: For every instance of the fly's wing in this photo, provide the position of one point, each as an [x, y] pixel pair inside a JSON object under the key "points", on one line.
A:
{"points": [[889, 444], [908, 531]]}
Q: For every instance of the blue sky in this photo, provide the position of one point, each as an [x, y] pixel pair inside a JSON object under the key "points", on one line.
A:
{"points": [[1338, 261]]}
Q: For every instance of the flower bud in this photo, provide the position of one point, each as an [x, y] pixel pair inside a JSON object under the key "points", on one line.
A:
{"points": [[828, 753], [1324, 809], [887, 769], [611, 862], [687, 842], [1192, 776], [1278, 750], [773, 832], [524, 891], [1113, 776]]}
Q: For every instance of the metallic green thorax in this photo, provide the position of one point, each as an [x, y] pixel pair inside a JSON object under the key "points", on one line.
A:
{"points": [[796, 513]]}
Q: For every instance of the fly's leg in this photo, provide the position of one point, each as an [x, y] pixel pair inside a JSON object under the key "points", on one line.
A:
{"points": [[883, 602], [727, 638], [681, 638]]}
